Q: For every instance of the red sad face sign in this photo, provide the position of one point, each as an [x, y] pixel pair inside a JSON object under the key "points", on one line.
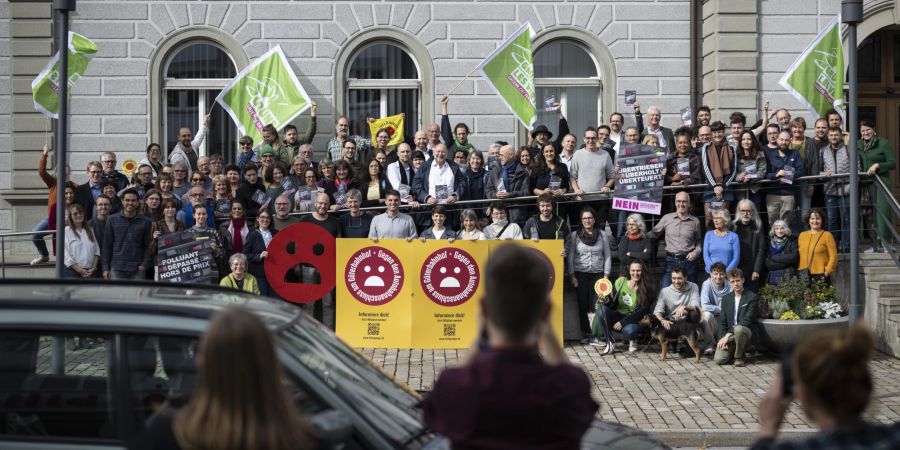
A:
{"points": [[450, 277], [374, 276], [301, 243]]}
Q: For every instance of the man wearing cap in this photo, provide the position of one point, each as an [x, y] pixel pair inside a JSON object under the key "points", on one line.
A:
{"points": [[541, 135], [267, 161]]}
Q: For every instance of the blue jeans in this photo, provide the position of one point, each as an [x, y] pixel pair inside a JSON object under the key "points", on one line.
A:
{"points": [[609, 318], [38, 239], [671, 263], [838, 210]]}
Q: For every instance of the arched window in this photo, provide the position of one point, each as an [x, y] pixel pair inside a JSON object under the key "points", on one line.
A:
{"points": [[193, 76], [566, 72], [382, 79]]}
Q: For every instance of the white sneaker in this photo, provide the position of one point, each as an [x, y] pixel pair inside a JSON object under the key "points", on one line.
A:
{"points": [[597, 343], [39, 260], [708, 352], [871, 250], [632, 346]]}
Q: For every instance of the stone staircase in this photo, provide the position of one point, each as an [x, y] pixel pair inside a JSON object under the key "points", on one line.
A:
{"points": [[881, 295]]}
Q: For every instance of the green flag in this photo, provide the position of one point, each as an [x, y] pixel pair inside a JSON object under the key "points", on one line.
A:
{"points": [[45, 88], [510, 73], [817, 77], [265, 92]]}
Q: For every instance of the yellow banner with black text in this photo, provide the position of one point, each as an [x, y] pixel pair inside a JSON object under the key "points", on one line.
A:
{"points": [[398, 294]]}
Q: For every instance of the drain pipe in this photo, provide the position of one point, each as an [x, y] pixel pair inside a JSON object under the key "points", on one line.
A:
{"points": [[696, 49]]}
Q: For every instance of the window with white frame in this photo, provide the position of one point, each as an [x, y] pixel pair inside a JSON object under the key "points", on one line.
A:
{"points": [[194, 75], [382, 80], [565, 72]]}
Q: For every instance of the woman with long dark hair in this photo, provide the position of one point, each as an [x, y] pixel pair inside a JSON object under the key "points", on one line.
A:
{"points": [[751, 168], [633, 297], [373, 184]]}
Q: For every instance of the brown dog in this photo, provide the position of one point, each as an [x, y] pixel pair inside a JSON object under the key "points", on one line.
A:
{"points": [[687, 330]]}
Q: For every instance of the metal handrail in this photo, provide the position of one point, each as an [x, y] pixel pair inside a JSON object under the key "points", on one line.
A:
{"points": [[572, 197], [895, 206]]}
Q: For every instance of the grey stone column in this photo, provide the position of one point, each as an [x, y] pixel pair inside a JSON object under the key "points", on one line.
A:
{"points": [[730, 71]]}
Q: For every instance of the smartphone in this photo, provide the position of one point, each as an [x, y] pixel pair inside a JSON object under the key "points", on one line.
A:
{"points": [[787, 379]]}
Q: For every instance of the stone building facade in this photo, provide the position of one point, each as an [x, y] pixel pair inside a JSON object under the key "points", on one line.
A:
{"points": [[358, 58]]}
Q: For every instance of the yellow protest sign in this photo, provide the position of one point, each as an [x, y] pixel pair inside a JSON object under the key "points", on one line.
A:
{"points": [[398, 294], [393, 125], [447, 291], [373, 293]]}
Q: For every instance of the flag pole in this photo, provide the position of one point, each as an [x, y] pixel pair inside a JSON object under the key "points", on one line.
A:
{"points": [[461, 81]]}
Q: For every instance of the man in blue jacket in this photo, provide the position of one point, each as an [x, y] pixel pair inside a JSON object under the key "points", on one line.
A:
{"points": [[785, 165]]}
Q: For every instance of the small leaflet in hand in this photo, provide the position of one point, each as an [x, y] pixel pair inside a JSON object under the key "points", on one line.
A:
{"points": [[788, 177], [303, 194], [630, 99], [550, 103], [261, 198], [287, 183], [403, 189], [687, 116], [684, 167], [500, 186], [441, 193], [555, 182], [750, 170]]}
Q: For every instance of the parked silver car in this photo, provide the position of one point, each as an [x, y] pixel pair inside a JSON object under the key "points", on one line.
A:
{"points": [[88, 365]]}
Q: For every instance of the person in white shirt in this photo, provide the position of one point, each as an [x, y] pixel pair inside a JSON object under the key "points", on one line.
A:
{"points": [[82, 250], [187, 149], [401, 173]]}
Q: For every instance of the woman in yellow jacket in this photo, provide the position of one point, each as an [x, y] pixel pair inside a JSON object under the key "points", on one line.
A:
{"points": [[818, 252], [239, 278]]}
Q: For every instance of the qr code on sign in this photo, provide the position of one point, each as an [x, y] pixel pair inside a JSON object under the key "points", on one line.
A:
{"points": [[449, 329], [374, 329]]}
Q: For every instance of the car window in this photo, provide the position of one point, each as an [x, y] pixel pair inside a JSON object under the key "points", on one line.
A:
{"points": [[386, 405], [56, 386], [161, 371]]}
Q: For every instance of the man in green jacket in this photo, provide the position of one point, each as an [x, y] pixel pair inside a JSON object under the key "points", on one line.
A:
{"points": [[877, 158], [737, 321]]}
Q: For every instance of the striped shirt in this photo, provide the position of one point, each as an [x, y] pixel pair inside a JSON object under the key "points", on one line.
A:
{"points": [[126, 243]]}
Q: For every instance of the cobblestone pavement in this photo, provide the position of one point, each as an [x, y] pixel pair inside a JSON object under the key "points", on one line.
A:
{"points": [[673, 398]]}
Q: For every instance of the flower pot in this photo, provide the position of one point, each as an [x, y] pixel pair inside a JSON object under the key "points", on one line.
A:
{"points": [[777, 335]]}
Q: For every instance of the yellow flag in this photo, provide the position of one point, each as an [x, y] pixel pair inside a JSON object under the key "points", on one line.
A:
{"points": [[393, 125]]}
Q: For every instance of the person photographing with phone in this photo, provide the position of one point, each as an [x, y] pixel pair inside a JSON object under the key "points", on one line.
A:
{"points": [[829, 374], [506, 394]]}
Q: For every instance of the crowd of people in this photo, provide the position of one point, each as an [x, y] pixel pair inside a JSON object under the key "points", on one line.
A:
{"points": [[439, 186]]}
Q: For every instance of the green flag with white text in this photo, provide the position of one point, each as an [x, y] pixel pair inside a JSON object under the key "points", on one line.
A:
{"points": [[265, 92], [45, 88], [510, 73], [816, 78]]}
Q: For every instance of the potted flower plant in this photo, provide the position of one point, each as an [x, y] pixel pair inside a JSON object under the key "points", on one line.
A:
{"points": [[794, 307]]}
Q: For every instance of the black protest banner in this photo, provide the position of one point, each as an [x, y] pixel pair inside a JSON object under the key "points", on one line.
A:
{"points": [[639, 179], [186, 258]]}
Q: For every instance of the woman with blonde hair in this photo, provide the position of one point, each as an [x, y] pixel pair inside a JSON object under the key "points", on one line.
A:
{"points": [[241, 402]]}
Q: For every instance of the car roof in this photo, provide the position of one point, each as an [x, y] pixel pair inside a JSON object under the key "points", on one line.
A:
{"points": [[177, 300]]}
